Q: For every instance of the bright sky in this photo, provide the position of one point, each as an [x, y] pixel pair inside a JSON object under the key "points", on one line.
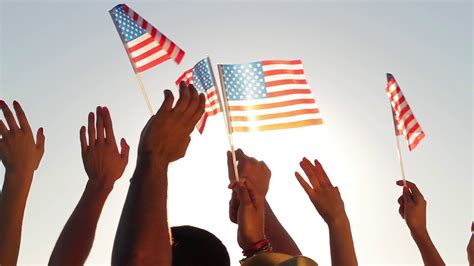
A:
{"points": [[61, 60]]}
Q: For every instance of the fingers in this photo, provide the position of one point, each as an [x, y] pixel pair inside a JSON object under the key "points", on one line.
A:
{"points": [[82, 137], [167, 104], [193, 100], [407, 196], [100, 125], [3, 128], [230, 167], [91, 129], [240, 155], [416, 193], [323, 177], [401, 208], [124, 150], [303, 183], [200, 108], [40, 139], [309, 170], [184, 96], [8, 116], [20, 114], [109, 130]]}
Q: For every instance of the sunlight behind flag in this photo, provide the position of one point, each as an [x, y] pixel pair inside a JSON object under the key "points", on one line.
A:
{"points": [[269, 95]]}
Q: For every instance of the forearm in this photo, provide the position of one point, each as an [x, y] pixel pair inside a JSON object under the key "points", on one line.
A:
{"points": [[428, 251], [77, 237], [342, 245], [143, 236], [279, 238], [12, 209]]}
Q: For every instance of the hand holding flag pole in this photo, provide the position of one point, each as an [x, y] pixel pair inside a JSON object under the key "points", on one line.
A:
{"points": [[228, 122]]}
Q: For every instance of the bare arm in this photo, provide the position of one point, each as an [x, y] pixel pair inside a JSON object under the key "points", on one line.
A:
{"points": [[143, 236], [413, 210], [277, 235], [21, 157], [328, 202], [104, 165]]}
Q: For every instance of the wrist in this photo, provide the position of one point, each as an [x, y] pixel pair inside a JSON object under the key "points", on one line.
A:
{"points": [[151, 163], [338, 222], [99, 186], [18, 180], [419, 234]]}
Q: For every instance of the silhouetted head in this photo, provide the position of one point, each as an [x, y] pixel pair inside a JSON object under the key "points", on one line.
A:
{"points": [[193, 246]]}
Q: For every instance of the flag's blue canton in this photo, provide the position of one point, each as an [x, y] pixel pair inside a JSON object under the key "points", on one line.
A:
{"points": [[202, 77], [244, 81], [129, 29]]}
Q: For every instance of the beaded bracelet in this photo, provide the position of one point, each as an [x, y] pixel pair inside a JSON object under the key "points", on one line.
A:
{"points": [[256, 248]]}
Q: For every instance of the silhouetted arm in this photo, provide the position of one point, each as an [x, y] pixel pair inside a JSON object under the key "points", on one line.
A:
{"points": [[328, 202], [413, 210], [143, 236], [104, 165], [21, 157]]}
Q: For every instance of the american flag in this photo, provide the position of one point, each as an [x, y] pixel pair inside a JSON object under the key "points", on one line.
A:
{"points": [[269, 95], [202, 77], [145, 45], [405, 122]]}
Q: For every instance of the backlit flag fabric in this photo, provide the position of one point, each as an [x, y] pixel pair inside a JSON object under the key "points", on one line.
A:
{"points": [[202, 77], [145, 45], [269, 95], [405, 122]]}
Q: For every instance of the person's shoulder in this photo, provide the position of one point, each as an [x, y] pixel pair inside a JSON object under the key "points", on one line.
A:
{"points": [[278, 259]]}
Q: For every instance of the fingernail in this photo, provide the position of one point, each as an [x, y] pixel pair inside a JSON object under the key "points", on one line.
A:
{"points": [[15, 102], [2, 103]]}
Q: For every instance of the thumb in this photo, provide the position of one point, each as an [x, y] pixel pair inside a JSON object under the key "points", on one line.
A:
{"points": [[40, 139], [124, 150], [167, 104], [243, 194]]}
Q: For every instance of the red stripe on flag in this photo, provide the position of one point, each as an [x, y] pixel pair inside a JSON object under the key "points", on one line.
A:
{"points": [[417, 140], [288, 92], [126, 8], [153, 63], [183, 76], [144, 24], [283, 62], [285, 82], [135, 16], [147, 53], [283, 71], [141, 44], [179, 57]]}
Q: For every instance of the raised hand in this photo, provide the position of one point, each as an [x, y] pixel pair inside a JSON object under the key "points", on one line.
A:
{"points": [[324, 196], [255, 171], [250, 194], [102, 160], [21, 156], [328, 202], [18, 150], [166, 136], [104, 165], [413, 210], [412, 207]]}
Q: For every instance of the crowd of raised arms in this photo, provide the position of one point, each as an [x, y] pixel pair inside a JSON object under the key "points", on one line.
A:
{"points": [[143, 236]]}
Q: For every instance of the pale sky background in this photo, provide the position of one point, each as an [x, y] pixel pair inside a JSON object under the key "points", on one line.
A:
{"points": [[62, 59]]}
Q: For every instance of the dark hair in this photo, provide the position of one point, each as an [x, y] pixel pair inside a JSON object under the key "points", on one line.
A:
{"points": [[194, 246]]}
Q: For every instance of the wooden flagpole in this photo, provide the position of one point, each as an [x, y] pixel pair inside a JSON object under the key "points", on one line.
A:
{"points": [[228, 122], [145, 94]]}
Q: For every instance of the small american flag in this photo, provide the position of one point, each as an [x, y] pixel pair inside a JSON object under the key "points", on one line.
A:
{"points": [[403, 118], [269, 95], [145, 45], [202, 77]]}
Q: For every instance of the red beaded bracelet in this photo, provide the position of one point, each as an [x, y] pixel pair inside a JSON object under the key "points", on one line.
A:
{"points": [[262, 245]]}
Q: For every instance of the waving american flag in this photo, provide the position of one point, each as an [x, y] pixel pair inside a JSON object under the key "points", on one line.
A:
{"points": [[404, 119], [202, 77], [145, 45], [269, 95]]}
